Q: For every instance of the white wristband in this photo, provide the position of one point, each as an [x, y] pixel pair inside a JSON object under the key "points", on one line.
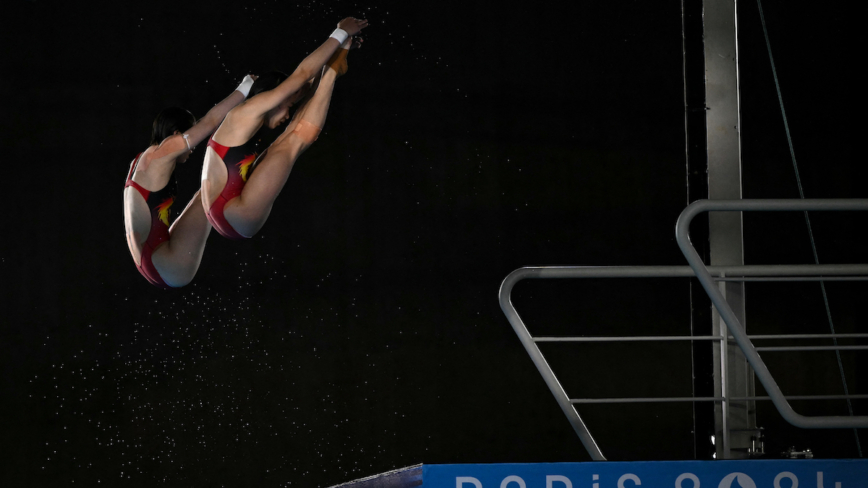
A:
{"points": [[245, 85], [340, 35]]}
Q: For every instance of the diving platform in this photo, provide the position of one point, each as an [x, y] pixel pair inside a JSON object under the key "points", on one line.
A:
{"points": [[782, 473], [399, 478]]}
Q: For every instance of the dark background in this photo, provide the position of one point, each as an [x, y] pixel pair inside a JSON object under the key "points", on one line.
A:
{"points": [[360, 330]]}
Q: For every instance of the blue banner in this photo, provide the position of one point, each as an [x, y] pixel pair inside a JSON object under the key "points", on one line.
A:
{"points": [[804, 473]]}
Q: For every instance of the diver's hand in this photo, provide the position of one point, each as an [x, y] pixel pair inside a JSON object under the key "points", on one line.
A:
{"points": [[352, 26]]}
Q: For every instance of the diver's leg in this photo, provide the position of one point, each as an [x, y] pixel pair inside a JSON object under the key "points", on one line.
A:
{"points": [[178, 259], [248, 212]]}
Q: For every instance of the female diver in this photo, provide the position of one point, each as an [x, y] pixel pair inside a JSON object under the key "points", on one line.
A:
{"points": [[238, 200], [166, 256]]}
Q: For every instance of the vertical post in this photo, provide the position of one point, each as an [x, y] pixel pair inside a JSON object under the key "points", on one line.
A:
{"points": [[735, 422]]}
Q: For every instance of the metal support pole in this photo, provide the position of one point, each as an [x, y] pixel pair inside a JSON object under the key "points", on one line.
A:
{"points": [[733, 376]]}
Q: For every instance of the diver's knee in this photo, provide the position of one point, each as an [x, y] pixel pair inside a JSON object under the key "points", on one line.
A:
{"points": [[307, 132]]}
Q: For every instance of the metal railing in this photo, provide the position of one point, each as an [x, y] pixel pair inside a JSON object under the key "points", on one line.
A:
{"points": [[682, 235], [708, 275]]}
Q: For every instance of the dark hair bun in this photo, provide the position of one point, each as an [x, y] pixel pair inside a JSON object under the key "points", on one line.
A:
{"points": [[170, 120]]}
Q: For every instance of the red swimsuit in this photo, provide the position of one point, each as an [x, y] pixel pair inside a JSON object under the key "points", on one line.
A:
{"points": [[239, 163], [159, 204]]}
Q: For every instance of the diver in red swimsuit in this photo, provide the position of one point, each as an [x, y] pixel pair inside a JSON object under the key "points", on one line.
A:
{"points": [[169, 256], [237, 199]]}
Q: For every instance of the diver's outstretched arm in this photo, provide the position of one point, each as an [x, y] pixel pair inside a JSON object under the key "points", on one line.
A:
{"points": [[208, 124], [310, 66], [176, 145]]}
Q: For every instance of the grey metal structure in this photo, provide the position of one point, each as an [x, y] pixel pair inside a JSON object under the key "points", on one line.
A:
{"points": [[710, 278], [735, 422], [682, 229], [408, 477]]}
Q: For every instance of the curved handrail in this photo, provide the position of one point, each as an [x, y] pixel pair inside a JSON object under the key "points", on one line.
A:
{"points": [[540, 362], [780, 271], [682, 235]]}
